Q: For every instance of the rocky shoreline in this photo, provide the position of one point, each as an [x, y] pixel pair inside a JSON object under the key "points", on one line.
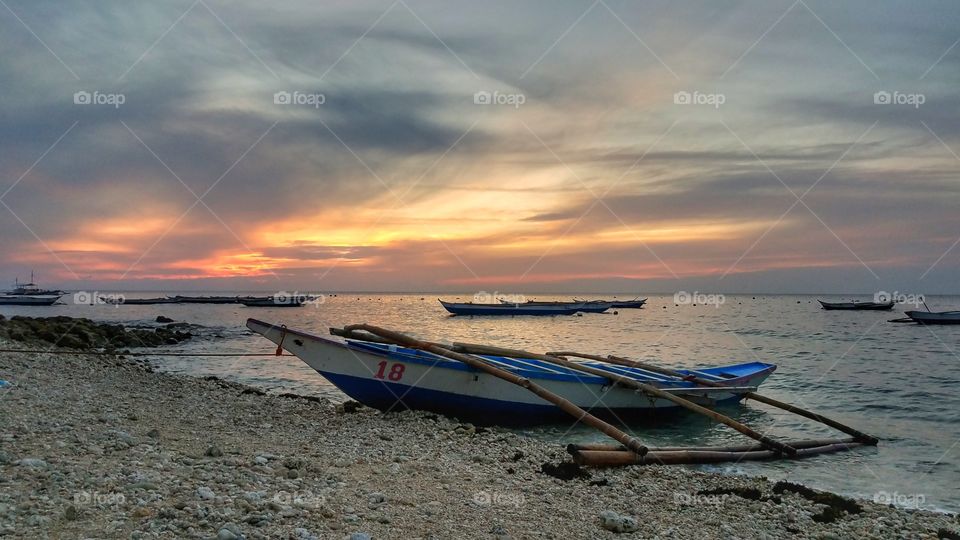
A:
{"points": [[99, 446]]}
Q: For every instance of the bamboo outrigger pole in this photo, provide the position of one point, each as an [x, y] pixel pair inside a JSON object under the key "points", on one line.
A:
{"points": [[634, 445], [648, 389], [860, 436]]}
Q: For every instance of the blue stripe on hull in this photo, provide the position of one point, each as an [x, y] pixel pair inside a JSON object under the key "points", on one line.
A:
{"points": [[383, 395]]}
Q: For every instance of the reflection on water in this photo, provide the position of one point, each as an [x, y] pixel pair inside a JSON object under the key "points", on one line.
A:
{"points": [[896, 381]]}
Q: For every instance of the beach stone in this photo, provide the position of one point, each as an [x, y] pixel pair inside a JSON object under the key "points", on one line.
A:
{"points": [[617, 523], [70, 514], [359, 536], [162, 319], [33, 463], [205, 493], [213, 451], [229, 532]]}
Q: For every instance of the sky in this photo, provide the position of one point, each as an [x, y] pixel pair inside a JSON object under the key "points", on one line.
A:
{"points": [[412, 145]]}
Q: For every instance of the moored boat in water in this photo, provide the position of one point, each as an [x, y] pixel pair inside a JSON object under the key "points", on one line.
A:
{"points": [[29, 299], [934, 317], [857, 306], [525, 308], [272, 301]]}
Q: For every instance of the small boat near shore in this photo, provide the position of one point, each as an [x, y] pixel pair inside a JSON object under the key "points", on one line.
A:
{"points": [[526, 308], [857, 306], [934, 317], [138, 301]]}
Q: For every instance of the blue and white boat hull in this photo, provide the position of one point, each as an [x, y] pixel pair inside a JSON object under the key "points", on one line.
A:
{"points": [[389, 377]]}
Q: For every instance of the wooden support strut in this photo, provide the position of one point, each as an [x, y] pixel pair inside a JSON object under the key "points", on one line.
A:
{"points": [[634, 445], [648, 389], [860, 436]]}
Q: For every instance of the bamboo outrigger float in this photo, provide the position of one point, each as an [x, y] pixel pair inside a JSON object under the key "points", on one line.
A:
{"points": [[499, 382]]}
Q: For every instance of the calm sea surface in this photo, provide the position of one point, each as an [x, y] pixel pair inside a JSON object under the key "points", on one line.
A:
{"points": [[896, 381]]}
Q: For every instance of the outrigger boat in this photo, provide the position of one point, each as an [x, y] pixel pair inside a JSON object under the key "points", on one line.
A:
{"points": [[388, 377], [547, 308], [389, 370], [857, 306], [934, 317]]}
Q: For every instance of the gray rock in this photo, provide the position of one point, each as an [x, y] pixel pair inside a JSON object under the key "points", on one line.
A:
{"points": [[226, 534], [617, 523], [359, 536], [213, 451], [33, 463], [205, 493]]}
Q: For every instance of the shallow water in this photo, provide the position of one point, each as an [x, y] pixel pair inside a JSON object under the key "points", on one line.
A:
{"points": [[896, 381]]}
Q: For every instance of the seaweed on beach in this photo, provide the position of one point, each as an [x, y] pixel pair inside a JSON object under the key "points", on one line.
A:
{"points": [[564, 470], [836, 505]]}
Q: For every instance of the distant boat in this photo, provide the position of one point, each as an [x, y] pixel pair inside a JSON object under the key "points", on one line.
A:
{"points": [[29, 299], [271, 301], [550, 308], [139, 301], [629, 304], [935, 317], [874, 306], [31, 289], [206, 299], [29, 294]]}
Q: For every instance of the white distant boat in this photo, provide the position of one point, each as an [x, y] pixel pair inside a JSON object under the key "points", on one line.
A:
{"points": [[29, 294], [29, 299]]}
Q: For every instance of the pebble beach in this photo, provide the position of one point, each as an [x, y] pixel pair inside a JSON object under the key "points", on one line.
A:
{"points": [[105, 447]]}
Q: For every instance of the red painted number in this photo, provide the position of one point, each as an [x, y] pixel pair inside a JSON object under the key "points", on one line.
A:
{"points": [[395, 374]]}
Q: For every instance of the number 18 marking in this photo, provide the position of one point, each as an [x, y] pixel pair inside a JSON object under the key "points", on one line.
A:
{"points": [[395, 373]]}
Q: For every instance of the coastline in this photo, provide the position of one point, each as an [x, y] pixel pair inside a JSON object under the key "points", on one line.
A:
{"points": [[104, 446]]}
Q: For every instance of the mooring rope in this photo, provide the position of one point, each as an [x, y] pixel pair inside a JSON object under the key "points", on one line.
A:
{"points": [[102, 353]]}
